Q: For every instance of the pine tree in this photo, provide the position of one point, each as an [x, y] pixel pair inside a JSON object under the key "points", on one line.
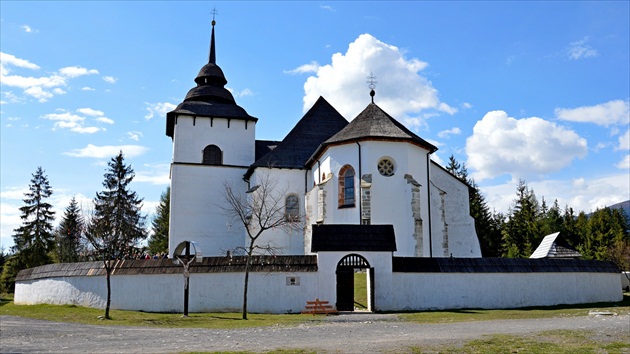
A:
{"points": [[69, 233], [158, 243], [117, 224], [521, 233], [34, 239], [551, 220]]}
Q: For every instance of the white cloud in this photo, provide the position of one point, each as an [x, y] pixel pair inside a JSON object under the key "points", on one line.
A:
{"points": [[520, 147], [445, 133], [304, 69], [87, 88], [73, 122], [107, 151], [624, 141], [27, 28], [579, 193], [154, 174], [90, 112], [110, 79], [466, 105], [327, 7], [579, 49], [105, 120], [605, 114], [160, 109], [401, 91], [624, 164], [42, 88], [133, 135], [76, 71]]}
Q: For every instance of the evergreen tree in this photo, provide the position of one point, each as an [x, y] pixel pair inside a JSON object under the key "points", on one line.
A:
{"points": [[521, 234], [607, 228], [34, 239], [158, 243], [69, 233], [551, 220], [117, 224]]}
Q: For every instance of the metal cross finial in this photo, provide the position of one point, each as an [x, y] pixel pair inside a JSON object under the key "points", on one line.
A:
{"points": [[214, 12], [372, 81], [372, 84]]}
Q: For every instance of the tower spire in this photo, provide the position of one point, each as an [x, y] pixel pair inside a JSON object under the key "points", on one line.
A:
{"points": [[213, 58]]}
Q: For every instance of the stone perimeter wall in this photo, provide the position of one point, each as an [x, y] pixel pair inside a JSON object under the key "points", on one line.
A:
{"points": [[287, 292]]}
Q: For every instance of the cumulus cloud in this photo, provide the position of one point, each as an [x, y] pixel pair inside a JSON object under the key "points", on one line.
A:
{"points": [[154, 174], [401, 91], [624, 164], [160, 109], [41, 88], [90, 112], [579, 50], [27, 28], [446, 133], [520, 147], [87, 88], [107, 151], [605, 114]]}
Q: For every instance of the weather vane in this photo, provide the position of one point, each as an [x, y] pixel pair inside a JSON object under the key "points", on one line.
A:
{"points": [[372, 84]]}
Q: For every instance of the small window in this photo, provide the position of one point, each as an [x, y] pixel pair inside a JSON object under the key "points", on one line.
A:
{"points": [[212, 155], [292, 208], [386, 167], [346, 186]]}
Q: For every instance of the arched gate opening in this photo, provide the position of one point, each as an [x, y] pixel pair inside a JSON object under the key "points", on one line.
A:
{"points": [[346, 269]]}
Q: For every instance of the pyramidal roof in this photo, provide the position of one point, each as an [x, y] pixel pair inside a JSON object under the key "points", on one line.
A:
{"points": [[318, 124], [555, 246], [374, 124], [209, 98]]}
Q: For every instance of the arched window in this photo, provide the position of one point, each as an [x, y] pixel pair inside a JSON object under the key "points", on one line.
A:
{"points": [[346, 186], [292, 208], [212, 155]]}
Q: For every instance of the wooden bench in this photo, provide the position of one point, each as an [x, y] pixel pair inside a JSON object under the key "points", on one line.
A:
{"points": [[319, 307]]}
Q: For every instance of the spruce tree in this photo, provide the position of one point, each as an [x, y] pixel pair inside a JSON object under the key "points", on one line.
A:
{"points": [[158, 243], [69, 233], [117, 224], [34, 239], [521, 234]]}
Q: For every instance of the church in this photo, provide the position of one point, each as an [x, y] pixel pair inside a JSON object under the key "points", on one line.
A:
{"points": [[360, 197], [354, 181]]}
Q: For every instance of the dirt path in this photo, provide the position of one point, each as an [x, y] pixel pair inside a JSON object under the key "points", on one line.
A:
{"points": [[356, 333]]}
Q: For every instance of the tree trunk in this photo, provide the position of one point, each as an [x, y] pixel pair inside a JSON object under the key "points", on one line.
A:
{"points": [[248, 260], [108, 271]]}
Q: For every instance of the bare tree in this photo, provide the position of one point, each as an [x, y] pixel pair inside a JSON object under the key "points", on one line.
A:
{"points": [[260, 209]]}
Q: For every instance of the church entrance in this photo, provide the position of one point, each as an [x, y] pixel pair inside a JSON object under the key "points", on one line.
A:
{"points": [[353, 291]]}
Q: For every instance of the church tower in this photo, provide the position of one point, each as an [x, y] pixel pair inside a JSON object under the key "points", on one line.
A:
{"points": [[213, 143]]}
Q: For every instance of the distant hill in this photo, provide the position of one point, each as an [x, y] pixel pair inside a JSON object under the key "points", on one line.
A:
{"points": [[623, 205]]}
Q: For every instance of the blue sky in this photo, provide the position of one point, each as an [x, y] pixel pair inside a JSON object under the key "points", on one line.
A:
{"points": [[531, 90]]}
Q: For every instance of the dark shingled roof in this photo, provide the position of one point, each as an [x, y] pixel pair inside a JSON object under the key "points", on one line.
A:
{"points": [[166, 266], [346, 237], [318, 124], [374, 124], [209, 98], [264, 146], [499, 265]]}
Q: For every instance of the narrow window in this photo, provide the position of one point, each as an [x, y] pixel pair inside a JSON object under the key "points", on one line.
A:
{"points": [[212, 155], [346, 186], [292, 208]]}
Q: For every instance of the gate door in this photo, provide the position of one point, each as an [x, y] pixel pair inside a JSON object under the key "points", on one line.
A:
{"points": [[345, 280]]}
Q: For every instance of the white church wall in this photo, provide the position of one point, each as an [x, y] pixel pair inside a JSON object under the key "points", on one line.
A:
{"points": [[236, 141], [453, 227], [427, 291], [287, 241], [196, 192]]}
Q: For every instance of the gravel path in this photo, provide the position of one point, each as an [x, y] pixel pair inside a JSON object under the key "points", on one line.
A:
{"points": [[346, 333]]}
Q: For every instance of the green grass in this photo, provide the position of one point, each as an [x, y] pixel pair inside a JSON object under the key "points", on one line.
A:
{"points": [[360, 290], [69, 313], [464, 315], [558, 342]]}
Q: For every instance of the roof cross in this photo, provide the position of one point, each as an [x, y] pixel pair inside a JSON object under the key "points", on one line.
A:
{"points": [[372, 84], [214, 12]]}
